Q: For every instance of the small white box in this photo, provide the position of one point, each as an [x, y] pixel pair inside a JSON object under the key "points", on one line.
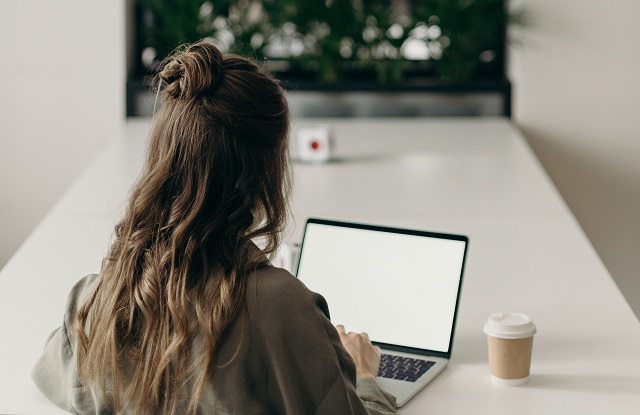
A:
{"points": [[314, 143]]}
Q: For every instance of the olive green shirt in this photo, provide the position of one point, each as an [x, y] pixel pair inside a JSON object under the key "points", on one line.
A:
{"points": [[283, 357]]}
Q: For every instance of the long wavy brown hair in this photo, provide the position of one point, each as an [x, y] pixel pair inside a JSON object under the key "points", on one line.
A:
{"points": [[216, 179]]}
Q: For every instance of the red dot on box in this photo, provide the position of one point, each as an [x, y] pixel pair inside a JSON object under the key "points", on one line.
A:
{"points": [[315, 145]]}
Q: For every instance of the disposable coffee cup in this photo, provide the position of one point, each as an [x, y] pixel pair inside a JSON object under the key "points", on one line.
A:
{"points": [[510, 341]]}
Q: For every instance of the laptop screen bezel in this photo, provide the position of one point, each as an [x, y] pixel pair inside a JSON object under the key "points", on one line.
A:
{"points": [[402, 231]]}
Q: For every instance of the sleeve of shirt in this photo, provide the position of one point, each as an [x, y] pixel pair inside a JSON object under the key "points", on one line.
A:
{"points": [[309, 370], [361, 393], [55, 373]]}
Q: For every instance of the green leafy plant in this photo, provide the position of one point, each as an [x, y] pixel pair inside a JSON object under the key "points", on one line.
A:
{"points": [[473, 31], [332, 38]]}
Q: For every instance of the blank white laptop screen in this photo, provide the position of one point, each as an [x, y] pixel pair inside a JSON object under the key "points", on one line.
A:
{"points": [[401, 289]]}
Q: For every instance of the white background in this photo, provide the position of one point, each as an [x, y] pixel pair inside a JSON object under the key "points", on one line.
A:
{"points": [[575, 94], [62, 97], [575, 97]]}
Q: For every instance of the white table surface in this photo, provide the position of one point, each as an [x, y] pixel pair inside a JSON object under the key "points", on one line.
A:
{"points": [[472, 176]]}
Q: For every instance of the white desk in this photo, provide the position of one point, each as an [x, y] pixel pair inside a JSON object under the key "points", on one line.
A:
{"points": [[472, 176]]}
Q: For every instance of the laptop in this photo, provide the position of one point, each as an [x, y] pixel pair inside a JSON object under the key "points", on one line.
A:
{"points": [[400, 286]]}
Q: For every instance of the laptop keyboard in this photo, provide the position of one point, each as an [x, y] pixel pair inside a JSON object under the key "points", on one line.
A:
{"points": [[403, 368]]}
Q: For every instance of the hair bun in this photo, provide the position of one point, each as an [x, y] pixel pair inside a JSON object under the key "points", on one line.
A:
{"points": [[191, 71]]}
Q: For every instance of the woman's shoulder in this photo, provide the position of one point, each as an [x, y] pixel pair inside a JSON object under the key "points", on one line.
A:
{"points": [[78, 294], [80, 291], [275, 291], [272, 279], [76, 298]]}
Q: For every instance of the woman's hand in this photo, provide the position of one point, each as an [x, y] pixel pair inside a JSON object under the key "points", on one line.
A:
{"points": [[364, 354]]}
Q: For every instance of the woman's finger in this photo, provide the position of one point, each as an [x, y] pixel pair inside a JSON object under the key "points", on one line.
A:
{"points": [[340, 329]]}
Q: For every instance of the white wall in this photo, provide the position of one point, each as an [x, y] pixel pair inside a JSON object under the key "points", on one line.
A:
{"points": [[62, 72], [576, 92]]}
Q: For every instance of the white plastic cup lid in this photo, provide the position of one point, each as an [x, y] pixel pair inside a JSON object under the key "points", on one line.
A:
{"points": [[509, 325]]}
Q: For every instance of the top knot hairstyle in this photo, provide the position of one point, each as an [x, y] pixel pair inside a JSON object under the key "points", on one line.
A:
{"points": [[196, 69], [216, 178]]}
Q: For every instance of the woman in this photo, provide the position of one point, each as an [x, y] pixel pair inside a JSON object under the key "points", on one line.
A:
{"points": [[187, 315]]}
